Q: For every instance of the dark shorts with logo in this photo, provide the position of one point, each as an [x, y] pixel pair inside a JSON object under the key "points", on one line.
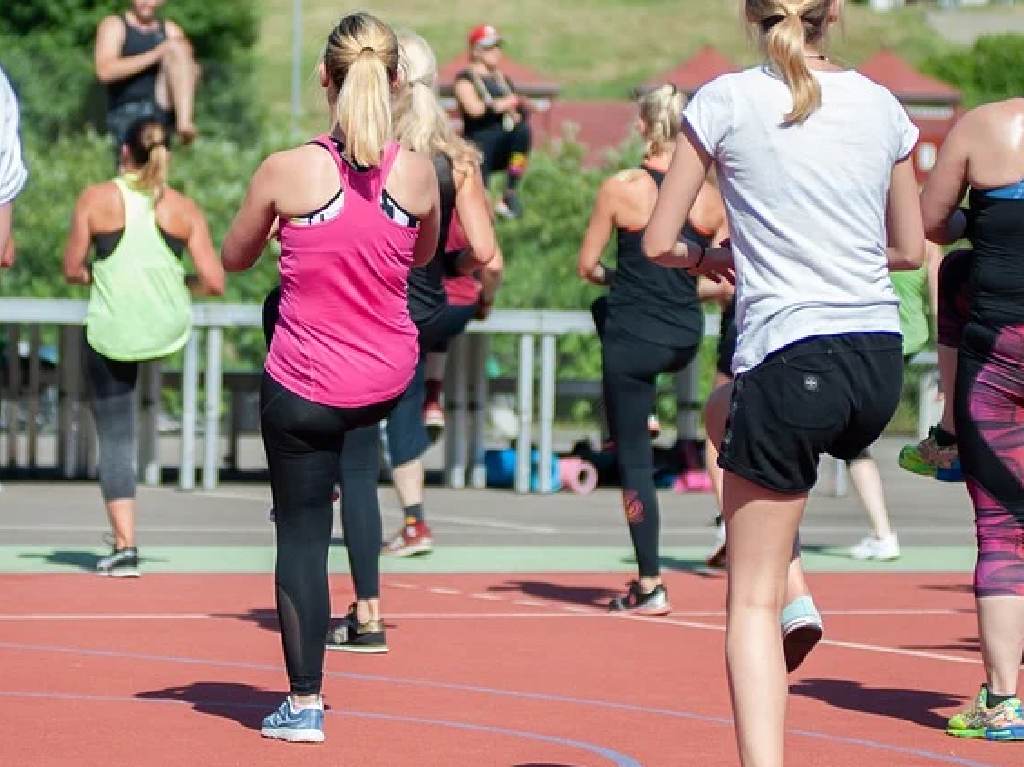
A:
{"points": [[825, 394]]}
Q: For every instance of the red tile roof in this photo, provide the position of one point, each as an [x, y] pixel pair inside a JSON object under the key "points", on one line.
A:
{"points": [[909, 85], [598, 125], [526, 79], [702, 67]]}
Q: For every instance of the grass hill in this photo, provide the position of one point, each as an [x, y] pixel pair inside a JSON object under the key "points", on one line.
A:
{"points": [[595, 48]]}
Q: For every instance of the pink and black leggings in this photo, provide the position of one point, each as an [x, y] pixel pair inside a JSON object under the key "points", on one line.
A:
{"points": [[990, 429]]}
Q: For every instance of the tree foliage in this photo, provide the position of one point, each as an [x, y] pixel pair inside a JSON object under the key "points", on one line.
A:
{"points": [[991, 70]]}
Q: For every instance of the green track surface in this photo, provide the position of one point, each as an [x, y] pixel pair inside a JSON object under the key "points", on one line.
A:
{"points": [[460, 559]]}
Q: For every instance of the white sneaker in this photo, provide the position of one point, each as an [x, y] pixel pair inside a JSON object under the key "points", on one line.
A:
{"points": [[716, 557], [883, 549]]}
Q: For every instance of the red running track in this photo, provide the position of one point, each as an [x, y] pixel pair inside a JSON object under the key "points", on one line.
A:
{"points": [[517, 671]]}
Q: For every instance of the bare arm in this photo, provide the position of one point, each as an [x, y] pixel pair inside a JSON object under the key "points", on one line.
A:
{"points": [[490, 278], [77, 250], [469, 100], [678, 193], [251, 228], [111, 66], [599, 231], [944, 189], [934, 256], [903, 219], [6, 240], [475, 215], [200, 246]]}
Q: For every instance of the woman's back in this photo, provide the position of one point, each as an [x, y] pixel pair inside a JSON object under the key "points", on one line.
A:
{"points": [[344, 337], [806, 203]]}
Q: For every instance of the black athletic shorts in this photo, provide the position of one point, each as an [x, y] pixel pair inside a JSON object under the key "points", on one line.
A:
{"points": [[825, 394], [726, 347]]}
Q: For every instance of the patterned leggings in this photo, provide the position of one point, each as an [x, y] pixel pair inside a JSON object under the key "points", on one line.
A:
{"points": [[990, 430]]}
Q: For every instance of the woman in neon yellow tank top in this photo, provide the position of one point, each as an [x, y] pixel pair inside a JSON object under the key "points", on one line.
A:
{"points": [[139, 307]]}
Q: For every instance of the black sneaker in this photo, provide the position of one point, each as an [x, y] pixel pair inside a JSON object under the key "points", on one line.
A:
{"points": [[120, 563], [636, 602], [352, 636]]}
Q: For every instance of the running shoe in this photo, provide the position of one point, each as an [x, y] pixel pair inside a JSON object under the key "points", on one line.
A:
{"points": [[120, 563], [972, 721], [303, 726], [634, 601], [716, 557], [1006, 721], [411, 540], [510, 206], [352, 636], [433, 418], [802, 629], [653, 426], [883, 549], [930, 459]]}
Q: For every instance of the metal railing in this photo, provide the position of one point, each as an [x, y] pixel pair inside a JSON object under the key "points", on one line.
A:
{"points": [[468, 391]]}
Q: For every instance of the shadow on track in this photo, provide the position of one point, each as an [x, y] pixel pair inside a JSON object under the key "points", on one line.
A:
{"points": [[917, 706]]}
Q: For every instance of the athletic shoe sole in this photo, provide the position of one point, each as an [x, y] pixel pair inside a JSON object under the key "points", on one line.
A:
{"points": [[122, 573], [413, 550], [293, 735], [1005, 733], [966, 733], [646, 612], [360, 649], [798, 642]]}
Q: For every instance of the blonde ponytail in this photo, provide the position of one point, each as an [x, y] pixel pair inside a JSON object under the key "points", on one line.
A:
{"points": [[661, 113], [362, 62], [420, 122], [785, 28]]}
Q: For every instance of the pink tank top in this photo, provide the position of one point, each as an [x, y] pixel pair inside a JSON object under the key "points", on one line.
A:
{"points": [[344, 337]]}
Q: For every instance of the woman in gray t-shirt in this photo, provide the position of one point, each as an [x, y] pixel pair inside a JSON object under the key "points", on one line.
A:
{"points": [[813, 163]]}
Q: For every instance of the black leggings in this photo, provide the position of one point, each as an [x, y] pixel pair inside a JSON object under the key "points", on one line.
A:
{"points": [[113, 405], [504, 150], [631, 367], [304, 442]]}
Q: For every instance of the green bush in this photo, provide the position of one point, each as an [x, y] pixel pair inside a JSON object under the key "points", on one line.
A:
{"points": [[47, 50], [991, 70]]}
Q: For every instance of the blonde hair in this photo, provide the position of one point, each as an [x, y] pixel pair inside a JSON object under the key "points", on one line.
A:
{"points": [[661, 111], [420, 122], [361, 60], [784, 28], [146, 141]]}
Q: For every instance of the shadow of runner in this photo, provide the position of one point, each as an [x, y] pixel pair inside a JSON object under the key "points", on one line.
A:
{"points": [[80, 560], [240, 703], [918, 706], [590, 596]]}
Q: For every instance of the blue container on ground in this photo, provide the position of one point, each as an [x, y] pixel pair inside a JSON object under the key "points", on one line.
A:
{"points": [[501, 469]]}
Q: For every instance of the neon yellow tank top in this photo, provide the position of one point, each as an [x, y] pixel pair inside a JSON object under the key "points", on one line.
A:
{"points": [[139, 306]]}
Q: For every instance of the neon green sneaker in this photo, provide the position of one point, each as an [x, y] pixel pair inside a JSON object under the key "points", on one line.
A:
{"points": [[930, 459], [971, 722], [1006, 721]]}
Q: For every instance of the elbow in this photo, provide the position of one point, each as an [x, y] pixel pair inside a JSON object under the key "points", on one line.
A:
{"points": [[908, 259], [104, 75], [652, 249]]}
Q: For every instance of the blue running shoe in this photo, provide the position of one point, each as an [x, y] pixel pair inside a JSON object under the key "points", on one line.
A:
{"points": [[1006, 721], [303, 726]]}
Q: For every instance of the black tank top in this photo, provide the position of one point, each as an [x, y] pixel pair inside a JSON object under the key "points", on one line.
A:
{"points": [[649, 301], [427, 297], [997, 235], [495, 88], [140, 88]]}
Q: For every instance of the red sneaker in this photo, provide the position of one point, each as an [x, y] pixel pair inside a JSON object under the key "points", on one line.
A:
{"points": [[410, 541]]}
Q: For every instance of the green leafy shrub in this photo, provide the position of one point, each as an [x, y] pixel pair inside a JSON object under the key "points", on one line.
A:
{"points": [[991, 70]]}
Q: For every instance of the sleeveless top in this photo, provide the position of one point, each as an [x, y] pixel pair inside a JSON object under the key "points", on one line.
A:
{"points": [[427, 297], [139, 305], [651, 302], [997, 236], [344, 337], [488, 88], [139, 88]]}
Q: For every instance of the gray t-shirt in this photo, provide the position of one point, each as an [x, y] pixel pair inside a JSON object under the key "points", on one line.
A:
{"points": [[806, 204]]}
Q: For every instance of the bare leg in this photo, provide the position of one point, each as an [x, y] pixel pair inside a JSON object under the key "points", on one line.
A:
{"points": [[176, 86], [121, 514], [868, 484], [762, 526], [1001, 625], [408, 479], [796, 583], [368, 610], [715, 410]]}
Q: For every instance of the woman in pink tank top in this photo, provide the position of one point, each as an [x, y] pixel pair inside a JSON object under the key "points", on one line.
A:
{"points": [[354, 212]]}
